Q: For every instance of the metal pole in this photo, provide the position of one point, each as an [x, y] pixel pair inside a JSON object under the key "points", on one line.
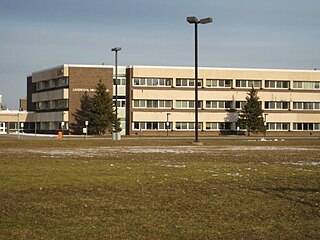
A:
{"points": [[265, 119], [18, 125], [116, 120], [194, 20], [167, 125], [196, 82]]}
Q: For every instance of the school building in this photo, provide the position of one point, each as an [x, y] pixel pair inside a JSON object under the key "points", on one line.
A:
{"points": [[155, 100]]}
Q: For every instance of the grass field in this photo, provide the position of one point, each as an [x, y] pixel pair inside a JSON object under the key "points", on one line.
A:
{"points": [[153, 189]]}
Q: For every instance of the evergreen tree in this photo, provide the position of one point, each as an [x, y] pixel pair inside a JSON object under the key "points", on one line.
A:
{"points": [[250, 117], [100, 114], [81, 115]]}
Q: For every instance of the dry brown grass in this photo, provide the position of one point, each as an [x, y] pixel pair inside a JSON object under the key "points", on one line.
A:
{"points": [[152, 189]]}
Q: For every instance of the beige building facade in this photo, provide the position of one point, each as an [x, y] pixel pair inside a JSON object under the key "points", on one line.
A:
{"points": [[160, 100], [158, 97]]}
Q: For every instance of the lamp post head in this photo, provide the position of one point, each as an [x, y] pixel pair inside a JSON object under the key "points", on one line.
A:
{"points": [[195, 20], [206, 20], [192, 20], [116, 49]]}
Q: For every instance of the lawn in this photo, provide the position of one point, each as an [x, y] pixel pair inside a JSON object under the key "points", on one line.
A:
{"points": [[153, 189]]}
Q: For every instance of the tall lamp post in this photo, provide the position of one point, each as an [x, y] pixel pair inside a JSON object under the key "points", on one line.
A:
{"points": [[194, 20], [266, 124], [116, 50], [168, 124]]}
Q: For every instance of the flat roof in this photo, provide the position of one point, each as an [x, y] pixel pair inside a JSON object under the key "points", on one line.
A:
{"points": [[225, 68], [177, 67], [76, 65]]}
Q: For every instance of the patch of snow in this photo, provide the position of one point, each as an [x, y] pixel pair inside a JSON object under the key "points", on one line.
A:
{"points": [[174, 166], [301, 163]]}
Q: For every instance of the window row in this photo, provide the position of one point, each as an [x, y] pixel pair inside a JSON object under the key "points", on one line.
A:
{"points": [[53, 83], [225, 83], [276, 105], [186, 82], [248, 83], [52, 105], [220, 126], [277, 84], [216, 83], [215, 104], [306, 85], [152, 103], [219, 104], [187, 104], [278, 126], [181, 125], [152, 125], [51, 126], [306, 126], [163, 82], [306, 105]]}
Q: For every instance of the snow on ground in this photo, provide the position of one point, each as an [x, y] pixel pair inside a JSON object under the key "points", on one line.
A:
{"points": [[209, 150], [301, 163], [135, 150]]}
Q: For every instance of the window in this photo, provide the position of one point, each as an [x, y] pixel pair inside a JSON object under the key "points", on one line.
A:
{"points": [[219, 104], [248, 83], [45, 105], [60, 104], [153, 82], [121, 81], [278, 126], [225, 126], [240, 104], [218, 126], [187, 126], [52, 83], [306, 126], [152, 103], [276, 105], [187, 104], [46, 84], [185, 82], [276, 84], [211, 126], [306, 85], [151, 126], [306, 105], [217, 83], [52, 105], [120, 103]]}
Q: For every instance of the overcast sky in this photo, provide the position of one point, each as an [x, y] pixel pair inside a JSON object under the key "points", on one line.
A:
{"points": [[38, 34]]}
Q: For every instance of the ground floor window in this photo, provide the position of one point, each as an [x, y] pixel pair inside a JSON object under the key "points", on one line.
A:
{"points": [[187, 126], [278, 126], [306, 126], [218, 126], [152, 125], [51, 126]]}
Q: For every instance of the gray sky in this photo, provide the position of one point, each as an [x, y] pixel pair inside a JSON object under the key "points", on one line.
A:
{"points": [[37, 34]]}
